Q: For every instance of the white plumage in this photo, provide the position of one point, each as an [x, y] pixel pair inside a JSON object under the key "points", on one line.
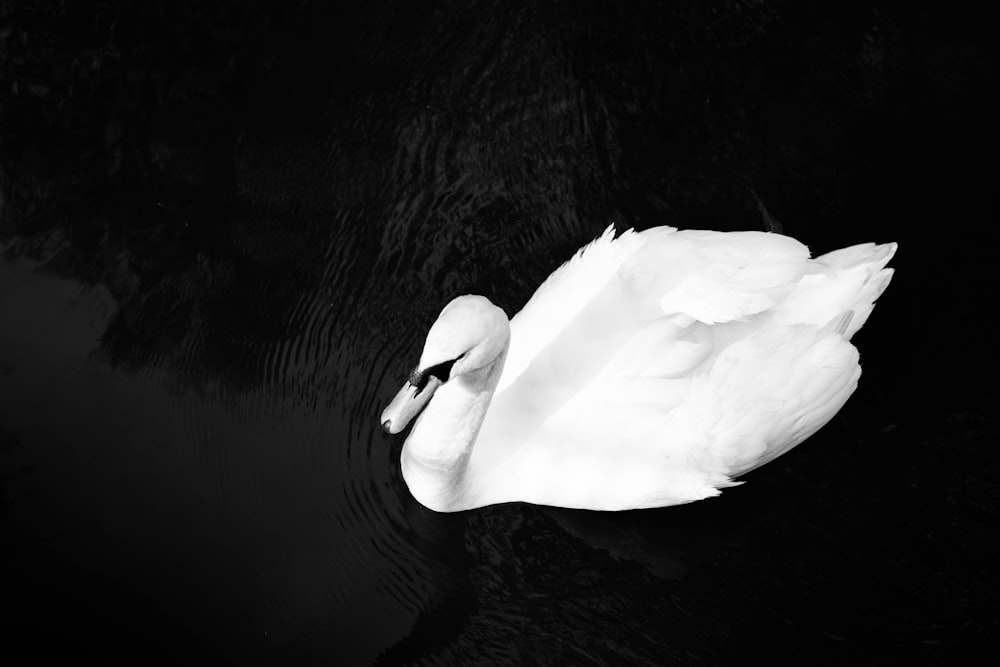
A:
{"points": [[649, 370]]}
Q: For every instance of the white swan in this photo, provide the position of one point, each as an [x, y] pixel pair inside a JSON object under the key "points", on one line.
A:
{"points": [[649, 370]]}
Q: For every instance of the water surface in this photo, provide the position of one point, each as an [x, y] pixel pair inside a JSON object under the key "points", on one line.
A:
{"points": [[225, 235]]}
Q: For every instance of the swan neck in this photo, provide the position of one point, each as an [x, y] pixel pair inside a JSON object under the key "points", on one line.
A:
{"points": [[435, 457]]}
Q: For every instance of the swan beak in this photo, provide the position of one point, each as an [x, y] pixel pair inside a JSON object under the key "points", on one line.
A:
{"points": [[407, 404]]}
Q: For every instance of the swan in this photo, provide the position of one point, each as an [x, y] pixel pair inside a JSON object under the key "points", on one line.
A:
{"points": [[649, 370]]}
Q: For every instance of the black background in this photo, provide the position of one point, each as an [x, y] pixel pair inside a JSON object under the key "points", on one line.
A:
{"points": [[275, 198]]}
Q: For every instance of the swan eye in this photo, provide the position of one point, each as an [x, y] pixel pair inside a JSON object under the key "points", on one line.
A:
{"points": [[441, 371]]}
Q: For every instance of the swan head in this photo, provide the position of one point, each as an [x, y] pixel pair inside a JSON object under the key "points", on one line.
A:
{"points": [[466, 341]]}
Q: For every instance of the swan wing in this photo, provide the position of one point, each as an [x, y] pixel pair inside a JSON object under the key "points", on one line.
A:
{"points": [[650, 441]]}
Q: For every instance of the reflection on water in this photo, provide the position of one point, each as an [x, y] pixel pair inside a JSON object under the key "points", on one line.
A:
{"points": [[227, 234]]}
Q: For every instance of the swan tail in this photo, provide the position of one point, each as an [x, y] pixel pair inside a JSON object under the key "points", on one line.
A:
{"points": [[839, 291], [870, 260]]}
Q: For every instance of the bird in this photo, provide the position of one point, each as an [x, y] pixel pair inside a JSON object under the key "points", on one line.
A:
{"points": [[651, 369]]}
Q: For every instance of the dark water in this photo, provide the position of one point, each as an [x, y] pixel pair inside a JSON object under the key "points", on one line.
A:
{"points": [[227, 228]]}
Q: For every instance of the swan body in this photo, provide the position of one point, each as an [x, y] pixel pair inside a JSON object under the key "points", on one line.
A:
{"points": [[649, 370]]}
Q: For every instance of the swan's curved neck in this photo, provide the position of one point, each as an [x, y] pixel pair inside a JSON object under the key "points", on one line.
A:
{"points": [[435, 457]]}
